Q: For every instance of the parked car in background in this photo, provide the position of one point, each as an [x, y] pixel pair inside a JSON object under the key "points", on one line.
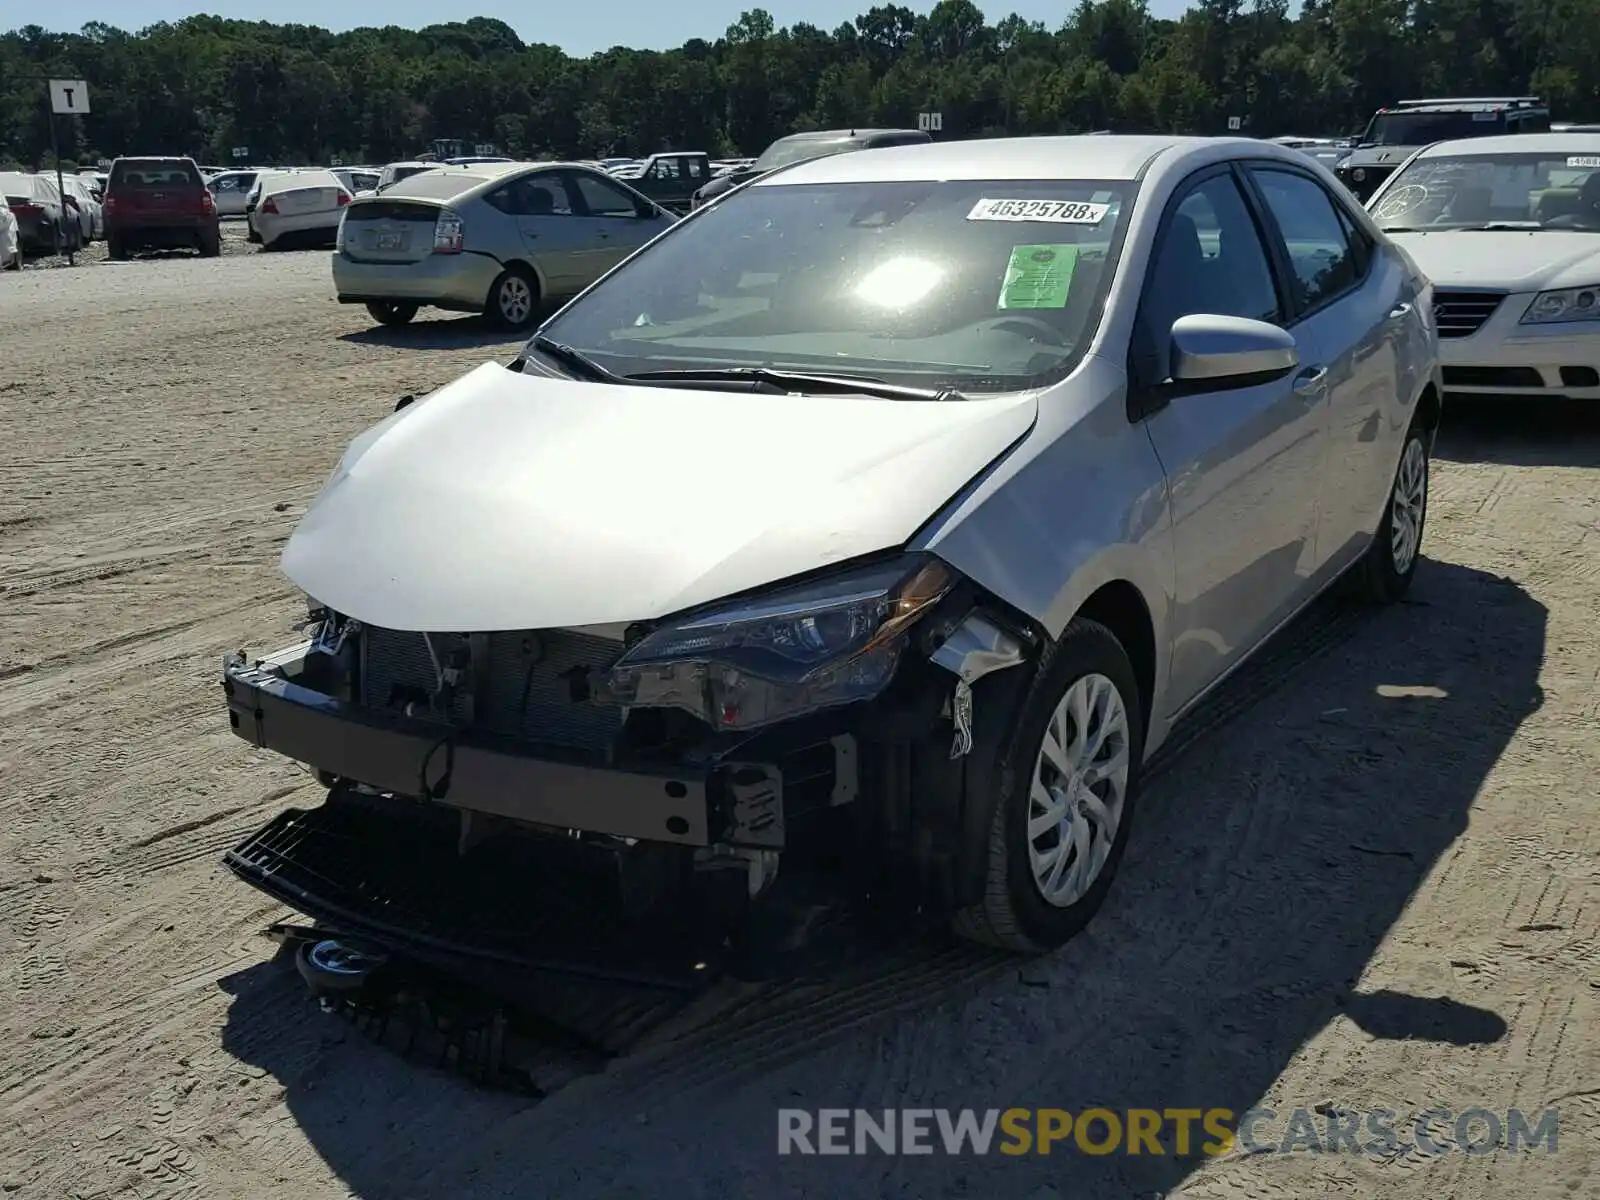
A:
{"points": [[1397, 132], [159, 203], [10, 248], [1508, 229], [798, 147], [299, 209], [358, 180], [934, 486], [394, 172], [494, 238], [230, 190], [44, 223], [82, 202], [671, 180]]}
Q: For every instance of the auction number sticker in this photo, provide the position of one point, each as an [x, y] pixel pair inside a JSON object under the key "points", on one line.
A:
{"points": [[1054, 212], [1584, 160]]}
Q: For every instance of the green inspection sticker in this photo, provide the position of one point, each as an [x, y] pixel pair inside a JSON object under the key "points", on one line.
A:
{"points": [[1038, 276]]}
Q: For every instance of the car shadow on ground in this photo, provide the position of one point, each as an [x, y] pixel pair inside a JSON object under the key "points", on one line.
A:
{"points": [[441, 333], [1275, 852], [1517, 432]]}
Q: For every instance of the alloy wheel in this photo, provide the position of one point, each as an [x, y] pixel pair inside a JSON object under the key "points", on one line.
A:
{"points": [[516, 300], [1408, 506]]}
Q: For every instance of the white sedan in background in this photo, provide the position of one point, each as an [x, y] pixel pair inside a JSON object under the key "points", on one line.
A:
{"points": [[300, 208], [1508, 229], [10, 249], [91, 218]]}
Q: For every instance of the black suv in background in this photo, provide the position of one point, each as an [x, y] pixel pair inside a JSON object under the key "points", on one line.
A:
{"points": [[798, 147], [1396, 132]]}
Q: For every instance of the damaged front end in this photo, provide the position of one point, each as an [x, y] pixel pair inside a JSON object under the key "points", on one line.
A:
{"points": [[481, 783]]}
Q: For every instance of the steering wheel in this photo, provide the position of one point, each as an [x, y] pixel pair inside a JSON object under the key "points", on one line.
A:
{"points": [[1051, 335], [1401, 201]]}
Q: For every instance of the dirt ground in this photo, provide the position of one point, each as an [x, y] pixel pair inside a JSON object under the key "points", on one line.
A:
{"points": [[1369, 881]]}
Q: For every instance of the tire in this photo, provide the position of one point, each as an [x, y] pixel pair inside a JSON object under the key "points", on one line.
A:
{"points": [[1015, 913], [210, 246], [392, 312], [1390, 564], [116, 249], [513, 299], [339, 966]]}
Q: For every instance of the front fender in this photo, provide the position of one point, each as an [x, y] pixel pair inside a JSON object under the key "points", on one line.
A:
{"points": [[1081, 502]]}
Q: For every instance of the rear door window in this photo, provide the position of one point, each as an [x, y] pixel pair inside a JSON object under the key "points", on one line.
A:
{"points": [[1325, 266], [598, 197], [532, 196]]}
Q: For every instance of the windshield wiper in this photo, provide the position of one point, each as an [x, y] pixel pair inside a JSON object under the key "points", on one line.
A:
{"points": [[1500, 226], [574, 360], [801, 381]]}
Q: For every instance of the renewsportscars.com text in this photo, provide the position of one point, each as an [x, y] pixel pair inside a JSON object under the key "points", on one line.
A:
{"points": [[1155, 1131]]}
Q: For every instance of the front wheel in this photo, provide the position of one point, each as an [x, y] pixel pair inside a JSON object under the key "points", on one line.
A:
{"points": [[390, 312], [1391, 561], [1066, 792], [512, 300]]}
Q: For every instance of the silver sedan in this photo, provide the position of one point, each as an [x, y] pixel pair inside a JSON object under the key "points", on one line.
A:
{"points": [[900, 505], [495, 238]]}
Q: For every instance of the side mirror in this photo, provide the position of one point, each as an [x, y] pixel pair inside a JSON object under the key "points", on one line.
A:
{"points": [[1212, 351]]}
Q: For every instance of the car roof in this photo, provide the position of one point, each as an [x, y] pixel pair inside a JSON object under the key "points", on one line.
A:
{"points": [[1117, 156], [1517, 143]]}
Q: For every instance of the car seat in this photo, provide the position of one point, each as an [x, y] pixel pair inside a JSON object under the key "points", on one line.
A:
{"points": [[1554, 202]]}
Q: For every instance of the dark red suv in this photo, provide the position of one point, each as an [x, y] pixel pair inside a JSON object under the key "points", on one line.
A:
{"points": [[159, 203]]}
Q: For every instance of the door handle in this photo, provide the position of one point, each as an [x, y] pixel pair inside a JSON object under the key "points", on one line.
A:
{"points": [[1400, 310], [1309, 382]]}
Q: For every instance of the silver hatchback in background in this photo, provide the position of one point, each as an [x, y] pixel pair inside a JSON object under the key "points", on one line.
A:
{"points": [[495, 238]]}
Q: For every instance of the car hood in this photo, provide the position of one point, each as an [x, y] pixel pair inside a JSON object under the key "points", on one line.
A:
{"points": [[1517, 260], [509, 501]]}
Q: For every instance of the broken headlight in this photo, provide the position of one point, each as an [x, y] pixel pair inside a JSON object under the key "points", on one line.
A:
{"points": [[786, 653]]}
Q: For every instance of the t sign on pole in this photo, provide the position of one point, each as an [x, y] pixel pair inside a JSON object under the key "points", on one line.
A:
{"points": [[68, 97]]}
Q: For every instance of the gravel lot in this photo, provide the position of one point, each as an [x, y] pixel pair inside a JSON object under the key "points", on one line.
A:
{"points": [[1377, 888]]}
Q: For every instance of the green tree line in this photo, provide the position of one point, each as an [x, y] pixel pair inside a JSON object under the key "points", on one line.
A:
{"points": [[297, 93]]}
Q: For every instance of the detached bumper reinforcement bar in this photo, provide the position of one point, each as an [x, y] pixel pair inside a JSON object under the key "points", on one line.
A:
{"points": [[268, 709]]}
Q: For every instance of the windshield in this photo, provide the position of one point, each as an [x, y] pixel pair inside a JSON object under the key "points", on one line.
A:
{"points": [[783, 153], [972, 285], [1535, 191], [1424, 128]]}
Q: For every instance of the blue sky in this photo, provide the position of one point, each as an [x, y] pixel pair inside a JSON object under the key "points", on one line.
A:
{"points": [[577, 28]]}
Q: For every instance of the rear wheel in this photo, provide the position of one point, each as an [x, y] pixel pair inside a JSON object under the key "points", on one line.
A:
{"points": [[513, 300], [390, 312], [1386, 573], [1066, 792], [210, 245], [116, 248]]}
